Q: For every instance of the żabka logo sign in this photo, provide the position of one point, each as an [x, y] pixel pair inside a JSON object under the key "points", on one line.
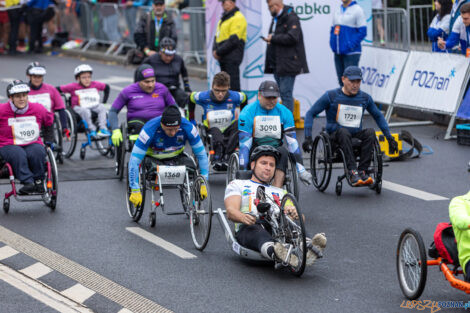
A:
{"points": [[308, 11], [372, 77], [431, 80]]}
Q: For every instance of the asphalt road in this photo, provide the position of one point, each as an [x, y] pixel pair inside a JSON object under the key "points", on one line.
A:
{"points": [[357, 273]]}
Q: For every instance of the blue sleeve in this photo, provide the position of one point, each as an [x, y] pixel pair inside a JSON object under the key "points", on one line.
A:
{"points": [[434, 33], [378, 117], [359, 37], [198, 148], [113, 118], [453, 40], [245, 127], [319, 106], [137, 3], [287, 118]]}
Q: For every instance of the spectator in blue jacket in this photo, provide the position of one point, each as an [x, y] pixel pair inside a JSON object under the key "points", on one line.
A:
{"points": [[460, 33], [36, 12], [440, 24], [455, 12], [348, 30]]}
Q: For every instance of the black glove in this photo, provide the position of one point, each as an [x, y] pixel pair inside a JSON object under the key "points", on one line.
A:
{"points": [[392, 146], [307, 144], [187, 88], [50, 145]]}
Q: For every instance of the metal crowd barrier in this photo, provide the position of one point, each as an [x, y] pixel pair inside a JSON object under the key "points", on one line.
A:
{"points": [[394, 22], [420, 17]]}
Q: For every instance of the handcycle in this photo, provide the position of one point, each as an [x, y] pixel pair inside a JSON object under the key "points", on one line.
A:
{"points": [[412, 265], [291, 177], [153, 177], [51, 181], [285, 229], [325, 152]]}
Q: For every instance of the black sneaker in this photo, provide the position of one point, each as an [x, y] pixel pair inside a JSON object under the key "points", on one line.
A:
{"points": [[27, 189], [366, 179], [39, 186], [354, 178]]}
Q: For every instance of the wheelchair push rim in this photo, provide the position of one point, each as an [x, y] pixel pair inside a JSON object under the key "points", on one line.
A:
{"points": [[291, 179], [320, 165], [135, 212], [51, 181], [69, 144], [200, 214], [233, 166]]}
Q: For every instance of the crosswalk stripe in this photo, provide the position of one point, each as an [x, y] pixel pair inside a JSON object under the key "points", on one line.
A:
{"points": [[78, 293], [124, 310], [36, 270], [6, 252]]}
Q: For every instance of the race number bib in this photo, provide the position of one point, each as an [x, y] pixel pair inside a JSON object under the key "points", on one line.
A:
{"points": [[88, 98], [43, 98], [171, 175], [25, 129], [349, 115], [267, 126], [220, 119]]}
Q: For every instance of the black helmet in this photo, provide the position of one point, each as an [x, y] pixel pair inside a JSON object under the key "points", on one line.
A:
{"points": [[168, 46], [263, 151], [171, 116], [35, 68], [17, 86]]}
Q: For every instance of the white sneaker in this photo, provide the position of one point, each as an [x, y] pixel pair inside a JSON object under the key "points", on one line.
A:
{"points": [[315, 248], [281, 254]]}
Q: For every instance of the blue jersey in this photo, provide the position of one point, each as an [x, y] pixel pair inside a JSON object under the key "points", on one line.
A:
{"points": [[154, 142], [344, 111]]}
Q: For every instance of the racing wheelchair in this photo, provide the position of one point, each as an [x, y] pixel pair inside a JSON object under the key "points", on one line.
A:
{"points": [[153, 177], [412, 264], [128, 141], [51, 183], [285, 229], [325, 152]]}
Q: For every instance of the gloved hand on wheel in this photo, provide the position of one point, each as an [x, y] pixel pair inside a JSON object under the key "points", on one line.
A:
{"points": [[66, 133], [136, 197], [116, 137], [203, 192], [307, 144], [392, 145], [306, 177]]}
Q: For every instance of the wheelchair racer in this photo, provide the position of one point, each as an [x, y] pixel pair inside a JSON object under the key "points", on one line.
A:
{"points": [[164, 138], [46, 94], [344, 109], [459, 214], [267, 122], [144, 99], [241, 209], [20, 144], [220, 117]]}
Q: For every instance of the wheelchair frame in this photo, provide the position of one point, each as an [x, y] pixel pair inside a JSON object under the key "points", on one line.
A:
{"points": [[120, 151]]}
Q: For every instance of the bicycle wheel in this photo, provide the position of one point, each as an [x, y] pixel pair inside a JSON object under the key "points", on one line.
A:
{"points": [[51, 186], [411, 264], [292, 232], [320, 166], [69, 143], [233, 166], [291, 179], [135, 212], [200, 216]]}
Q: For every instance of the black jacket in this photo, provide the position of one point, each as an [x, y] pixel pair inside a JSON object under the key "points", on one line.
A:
{"points": [[285, 56], [144, 35], [168, 74], [232, 49]]}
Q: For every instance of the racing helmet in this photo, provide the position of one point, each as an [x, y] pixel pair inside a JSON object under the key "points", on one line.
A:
{"points": [[265, 150], [35, 68], [17, 86], [168, 46], [82, 68]]}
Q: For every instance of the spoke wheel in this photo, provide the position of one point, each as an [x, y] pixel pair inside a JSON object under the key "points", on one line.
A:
{"points": [[411, 264], [320, 165], [6, 205], [135, 212], [292, 232], [50, 196], [58, 140], [233, 166], [104, 146], [69, 144], [291, 179], [200, 216]]}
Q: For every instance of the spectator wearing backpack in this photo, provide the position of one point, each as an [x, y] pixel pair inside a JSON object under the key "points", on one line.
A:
{"points": [[459, 213]]}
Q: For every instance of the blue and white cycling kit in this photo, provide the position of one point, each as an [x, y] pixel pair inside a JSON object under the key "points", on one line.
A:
{"points": [[348, 29], [154, 142]]}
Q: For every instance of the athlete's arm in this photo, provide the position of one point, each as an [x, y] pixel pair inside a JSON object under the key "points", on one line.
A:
{"points": [[106, 93], [318, 107], [116, 107], [458, 214], [138, 154], [198, 149], [378, 117]]}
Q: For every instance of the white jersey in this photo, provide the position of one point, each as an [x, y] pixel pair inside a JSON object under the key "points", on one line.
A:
{"points": [[247, 190]]}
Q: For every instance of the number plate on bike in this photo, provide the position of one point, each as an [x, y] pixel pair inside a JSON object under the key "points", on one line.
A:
{"points": [[25, 129], [267, 126], [349, 115], [171, 175]]}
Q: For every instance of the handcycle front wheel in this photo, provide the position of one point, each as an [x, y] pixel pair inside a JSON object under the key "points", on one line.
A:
{"points": [[291, 179], [200, 213], [135, 212], [292, 232], [233, 166], [411, 264]]}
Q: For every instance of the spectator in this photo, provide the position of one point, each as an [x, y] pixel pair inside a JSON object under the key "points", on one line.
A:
{"points": [[153, 27], [35, 18], [285, 52], [440, 24], [179, 4], [14, 16], [348, 30], [459, 33], [130, 12], [4, 27], [377, 4], [229, 42], [459, 214], [455, 12], [110, 19]]}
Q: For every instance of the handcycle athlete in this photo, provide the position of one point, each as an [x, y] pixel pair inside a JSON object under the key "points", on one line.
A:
{"points": [[243, 209], [220, 117], [344, 109], [267, 122], [163, 138]]}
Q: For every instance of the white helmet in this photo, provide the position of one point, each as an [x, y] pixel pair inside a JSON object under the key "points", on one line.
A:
{"points": [[35, 68], [82, 68]]}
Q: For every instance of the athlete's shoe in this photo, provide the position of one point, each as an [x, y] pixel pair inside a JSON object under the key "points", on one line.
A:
{"points": [[366, 179], [354, 178], [27, 189], [281, 254], [104, 133], [39, 186], [315, 248]]}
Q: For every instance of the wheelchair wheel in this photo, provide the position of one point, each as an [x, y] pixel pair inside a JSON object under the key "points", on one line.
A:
{"points": [[135, 212], [292, 231], [376, 169], [320, 165], [52, 185], [104, 146], [6, 205], [200, 216], [411, 264], [233, 166], [120, 154], [291, 179], [58, 140], [69, 144]]}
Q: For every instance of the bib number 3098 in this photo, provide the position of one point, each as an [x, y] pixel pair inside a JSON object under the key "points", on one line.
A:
{"points": [[267, 126]]}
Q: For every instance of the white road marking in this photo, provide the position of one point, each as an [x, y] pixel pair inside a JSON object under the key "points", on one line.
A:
{"points": [[78, 293], [161, 242], [36, 270], [423, 195], [40, 292], [125, 311], [8, 80], [117, 88], [6, 252], [116, 79], [2, 97]]}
